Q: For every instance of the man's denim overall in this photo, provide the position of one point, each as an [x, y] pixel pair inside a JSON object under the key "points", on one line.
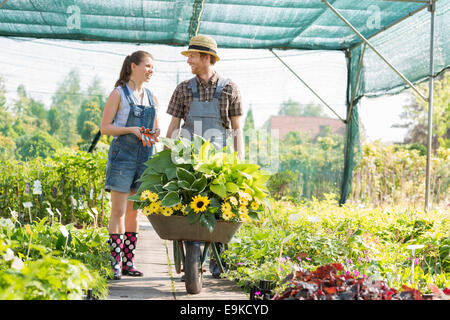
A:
{"points": [[204, 117], [127, 155]]}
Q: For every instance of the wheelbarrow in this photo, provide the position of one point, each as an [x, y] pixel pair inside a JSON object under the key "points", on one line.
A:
{"points": [[191, 257]]}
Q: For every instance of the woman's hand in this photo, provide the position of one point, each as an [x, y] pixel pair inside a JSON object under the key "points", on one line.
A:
{"points": [[136, 131]]}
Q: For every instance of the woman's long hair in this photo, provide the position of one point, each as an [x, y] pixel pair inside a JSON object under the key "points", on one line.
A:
{"points": [[125, 73]]}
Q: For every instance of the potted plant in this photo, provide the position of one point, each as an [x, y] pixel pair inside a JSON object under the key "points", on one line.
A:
{"points": [[195, 181]]}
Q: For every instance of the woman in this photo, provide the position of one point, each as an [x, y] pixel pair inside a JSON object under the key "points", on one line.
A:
{"points": [[129, 107]]}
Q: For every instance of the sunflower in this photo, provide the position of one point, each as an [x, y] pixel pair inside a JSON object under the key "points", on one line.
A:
{"points": [[147, 211], [254, 205], [199, 203], [154, 207], [166, 211], [227, 215], [145, 195]]}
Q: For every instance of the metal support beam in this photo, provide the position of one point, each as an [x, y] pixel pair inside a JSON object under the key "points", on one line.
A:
{"points": [[374, 50], [298, 77], [432, 7]]}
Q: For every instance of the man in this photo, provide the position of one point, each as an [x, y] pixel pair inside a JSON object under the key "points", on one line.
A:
{"points": [[209, 104]]}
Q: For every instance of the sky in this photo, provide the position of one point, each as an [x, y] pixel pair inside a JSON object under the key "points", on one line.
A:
{"points": [[264, 82]]}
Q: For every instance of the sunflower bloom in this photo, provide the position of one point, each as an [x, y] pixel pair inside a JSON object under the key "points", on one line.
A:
{"points": [[145, 195], [199, 203], [227, 215]]}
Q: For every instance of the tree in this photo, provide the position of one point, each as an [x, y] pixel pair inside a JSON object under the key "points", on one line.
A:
{"points": [[67, 99], [41, 144], [295, 108], [88, 120], [416, 114]]}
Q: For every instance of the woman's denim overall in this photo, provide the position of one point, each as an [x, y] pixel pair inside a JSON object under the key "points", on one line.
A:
{"points": [[204, 117], [127, 155]]}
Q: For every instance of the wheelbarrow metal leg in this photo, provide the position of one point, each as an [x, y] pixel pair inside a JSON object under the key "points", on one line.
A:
{"points": [[217, 257]]}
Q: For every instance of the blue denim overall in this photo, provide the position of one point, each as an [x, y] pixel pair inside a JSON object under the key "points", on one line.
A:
{"points": [[204, 117], [127, 155]]}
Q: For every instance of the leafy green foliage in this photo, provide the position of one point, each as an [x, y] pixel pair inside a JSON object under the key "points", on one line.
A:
{"points": [[47, 264], [368, 242]]}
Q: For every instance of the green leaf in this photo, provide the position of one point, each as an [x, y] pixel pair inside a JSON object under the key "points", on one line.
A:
{"points": [[232, 187], [208, 220], [149, 181], [193, 217], [135, 197], [171, 173], [219, 189], [184, 185], [199, 184], [171, 186], [183, 174], [171, 199]]}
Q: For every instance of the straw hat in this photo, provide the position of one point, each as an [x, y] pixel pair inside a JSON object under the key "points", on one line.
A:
{"points": [[202, 43]]}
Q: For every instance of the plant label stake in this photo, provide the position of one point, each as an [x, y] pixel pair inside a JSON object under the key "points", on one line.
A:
{"points": [[65, 234], [28, 205], [50, 212], [59, 213], [413, 248]]}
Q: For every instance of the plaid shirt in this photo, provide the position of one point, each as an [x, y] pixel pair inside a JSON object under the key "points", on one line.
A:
{"points": [[229, 100]]}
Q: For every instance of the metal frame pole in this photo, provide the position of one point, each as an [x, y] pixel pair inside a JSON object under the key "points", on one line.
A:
{"points": [[374, 50], [431, 8]]}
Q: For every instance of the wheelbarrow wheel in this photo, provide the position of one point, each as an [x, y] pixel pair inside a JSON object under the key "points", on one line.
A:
{"points": [[192, 267]]}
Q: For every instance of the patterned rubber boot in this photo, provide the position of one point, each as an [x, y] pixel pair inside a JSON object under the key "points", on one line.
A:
{"points": [[128, 268], [116, 244]]}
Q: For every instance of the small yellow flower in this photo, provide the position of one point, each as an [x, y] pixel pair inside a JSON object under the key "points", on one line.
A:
{"points": [[254, 205], [145, 195], [147, 211], [153, 197], [244, 217], [166, 211], [226, 207], [183, 210], [227, 215], [233, 201], [243, 201], [199, 203], [178, 207], [245, 195], [154, 207], [243, 210]]}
